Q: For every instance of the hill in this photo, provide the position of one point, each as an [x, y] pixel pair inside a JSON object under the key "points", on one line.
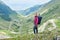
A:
{"points": [[48, 11], [24, 25], [6, 16], [29, 10]]}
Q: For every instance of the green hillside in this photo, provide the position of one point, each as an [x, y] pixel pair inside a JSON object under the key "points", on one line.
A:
{"points": [[24, 24], [7, 15], [48, 11]]}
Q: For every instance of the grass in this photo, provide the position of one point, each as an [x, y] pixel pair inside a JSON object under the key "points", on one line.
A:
{"points": [[8, 33], [52, 12], [57, 21], [41, 36], [44, 35]]}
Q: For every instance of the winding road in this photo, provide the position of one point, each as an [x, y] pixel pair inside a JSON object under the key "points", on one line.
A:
{"points": [[44, 25]]}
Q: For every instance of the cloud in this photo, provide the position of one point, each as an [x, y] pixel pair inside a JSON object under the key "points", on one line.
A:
{"points": [[23, 4]]}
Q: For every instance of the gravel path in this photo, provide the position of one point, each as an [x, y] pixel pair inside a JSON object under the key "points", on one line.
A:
{"points": [[42, 27]]}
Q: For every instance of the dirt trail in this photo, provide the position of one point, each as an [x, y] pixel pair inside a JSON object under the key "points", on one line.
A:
{"points": [[44, 25], [3, 35]]}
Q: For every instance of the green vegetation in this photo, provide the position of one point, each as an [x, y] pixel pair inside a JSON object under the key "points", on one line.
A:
{"points": [[58, 23], [42, 36], [24, 25]]}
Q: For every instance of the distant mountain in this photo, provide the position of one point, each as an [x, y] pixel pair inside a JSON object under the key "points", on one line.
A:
{"points": [[49, 11], [7, 15], [5, 11], [29, 10]]}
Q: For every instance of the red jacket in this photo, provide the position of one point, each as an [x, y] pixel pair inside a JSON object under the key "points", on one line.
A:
{"points": [[36, 20]]}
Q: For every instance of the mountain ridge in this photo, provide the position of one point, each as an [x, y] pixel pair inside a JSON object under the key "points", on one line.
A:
{"points": [[29, 10]]}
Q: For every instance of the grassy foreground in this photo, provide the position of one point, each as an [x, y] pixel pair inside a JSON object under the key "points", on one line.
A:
{"points": [[51, 35], [41, 36]]}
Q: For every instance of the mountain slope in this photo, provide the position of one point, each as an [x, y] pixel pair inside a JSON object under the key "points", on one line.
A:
{"points": [[29, 10], [24, 24], [5, 11], [48, 11], [6, 16]]}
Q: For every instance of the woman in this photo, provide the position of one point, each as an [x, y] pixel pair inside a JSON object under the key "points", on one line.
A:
{"points": [[35, 24]]}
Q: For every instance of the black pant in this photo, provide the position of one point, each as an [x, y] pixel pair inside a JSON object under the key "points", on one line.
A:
{"points": [[35, 29]]}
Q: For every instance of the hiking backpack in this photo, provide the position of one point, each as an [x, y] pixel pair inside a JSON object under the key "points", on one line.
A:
{"points": [[39, 19]]}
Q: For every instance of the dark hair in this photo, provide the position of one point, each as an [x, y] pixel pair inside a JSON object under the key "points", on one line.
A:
{"points": [[35, 16]]}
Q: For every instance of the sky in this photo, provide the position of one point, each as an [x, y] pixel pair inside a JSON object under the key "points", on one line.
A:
{"points": [[23, 4]]}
